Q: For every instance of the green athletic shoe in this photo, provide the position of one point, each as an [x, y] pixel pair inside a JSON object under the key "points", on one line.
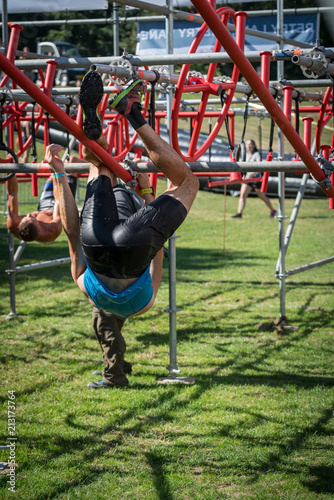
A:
{"points": [[124, 101], [90, 96]]}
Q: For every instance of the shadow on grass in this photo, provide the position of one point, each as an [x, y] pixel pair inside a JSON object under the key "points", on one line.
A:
{"points": [[204, 258], [322, 479], [113, 438], [160, 479]]}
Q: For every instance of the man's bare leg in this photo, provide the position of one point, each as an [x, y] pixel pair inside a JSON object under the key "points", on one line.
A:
{"points": [[183, 183], [96, 166]]}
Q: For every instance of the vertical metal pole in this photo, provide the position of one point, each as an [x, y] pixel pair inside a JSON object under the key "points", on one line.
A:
{"points": [[115, 12], [11, 275], [4, 24], [281, 177], [173, 368], [5, 40]]}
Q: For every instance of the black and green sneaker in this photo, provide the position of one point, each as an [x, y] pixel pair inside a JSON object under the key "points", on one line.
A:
{"points": [[91, 93], [124, 101]]}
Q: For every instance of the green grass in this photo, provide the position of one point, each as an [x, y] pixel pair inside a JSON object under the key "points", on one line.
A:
{"points": [[258, 422]]}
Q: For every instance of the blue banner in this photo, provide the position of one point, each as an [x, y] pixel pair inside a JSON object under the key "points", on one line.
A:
{"points": [[151, 36]]}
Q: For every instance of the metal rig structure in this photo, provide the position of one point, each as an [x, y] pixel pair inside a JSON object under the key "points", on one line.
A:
{"points": [[45, 105]]}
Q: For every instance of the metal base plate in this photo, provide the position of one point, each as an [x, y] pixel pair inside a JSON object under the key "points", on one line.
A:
{"points": [[177, 380]]}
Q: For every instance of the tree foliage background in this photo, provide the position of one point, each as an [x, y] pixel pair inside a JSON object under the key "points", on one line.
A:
{"points": [[97, 39], [93, 40]]}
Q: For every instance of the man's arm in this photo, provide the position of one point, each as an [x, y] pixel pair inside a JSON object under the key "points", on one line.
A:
{"points": [[13, 218], [56, 209], [68, 213], [144, 183]]}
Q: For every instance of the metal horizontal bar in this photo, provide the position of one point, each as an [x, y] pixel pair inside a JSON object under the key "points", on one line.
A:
{"points": [[179, 14], [305, 10], [309, 83], [39, 265], [86, 62], [136, 19], [167, 59], [313, 65], [229, 166], [309, 266], [226, 166]]}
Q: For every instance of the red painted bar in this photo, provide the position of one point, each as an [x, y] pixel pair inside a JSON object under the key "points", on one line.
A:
{"points": [[307, 131], [15, 74], [287, 101], [247, 70], [265, 67], [12, 47]]}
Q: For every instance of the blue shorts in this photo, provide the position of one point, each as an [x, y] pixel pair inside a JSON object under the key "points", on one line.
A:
{"points": [[124, 304]]}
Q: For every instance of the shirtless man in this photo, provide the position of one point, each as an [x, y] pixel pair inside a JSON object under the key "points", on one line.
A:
{"points": [[44, 224]]}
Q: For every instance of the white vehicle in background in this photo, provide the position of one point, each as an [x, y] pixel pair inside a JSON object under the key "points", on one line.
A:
{"points": [[64, 76]]}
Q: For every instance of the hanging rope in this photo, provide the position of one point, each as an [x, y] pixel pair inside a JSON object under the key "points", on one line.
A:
{"points": [[33, 135], [68, 143], [227, 124], [271, 137], [241, 149], [48, 125], [151, 113], [3, 146], [296, 99]]}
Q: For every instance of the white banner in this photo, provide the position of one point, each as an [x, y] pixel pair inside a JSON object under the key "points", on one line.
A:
{"points": [[151, 36], [22, 6], [188, 3]]}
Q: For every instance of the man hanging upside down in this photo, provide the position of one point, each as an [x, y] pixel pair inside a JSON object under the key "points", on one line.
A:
{"points": [[42, 225], [117, 263]]}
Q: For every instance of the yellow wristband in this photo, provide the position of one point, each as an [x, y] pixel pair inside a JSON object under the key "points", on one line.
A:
{"points": [[149, 190]]}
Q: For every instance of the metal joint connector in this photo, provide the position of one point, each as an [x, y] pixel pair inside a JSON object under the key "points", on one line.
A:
{"points": [[327, 168]]}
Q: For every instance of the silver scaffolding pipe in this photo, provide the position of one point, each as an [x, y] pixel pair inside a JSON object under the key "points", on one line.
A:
{"points": [[313, 65], [167, 59], [206, 167], [288, 235], [39, 265], [191, 17], [86, 62], [306, 267], [135, 19], [281, 179], [229, 166], [58, 94], [172, 310], [295, 211], [21, 96]]}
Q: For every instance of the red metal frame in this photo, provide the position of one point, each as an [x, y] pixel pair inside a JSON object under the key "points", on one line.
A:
{"points": [[326, 113], [44, 100], [247, 70], [196, 84]]}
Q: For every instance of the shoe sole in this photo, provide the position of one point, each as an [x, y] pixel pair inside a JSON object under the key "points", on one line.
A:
{"points": [[91, 93], [114, 102]]}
